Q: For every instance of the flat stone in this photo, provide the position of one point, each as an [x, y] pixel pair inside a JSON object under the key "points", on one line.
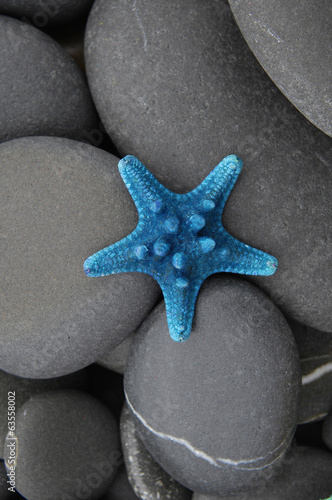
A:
{"points": [[45, 12], [216, 410], [42, 91], [22, 388], [62, 201], [315, 349], [306, 473], [177, 86], [116, 359], [327, 430], [292, 43], [147, 478], [120, 488], [68, 445]]}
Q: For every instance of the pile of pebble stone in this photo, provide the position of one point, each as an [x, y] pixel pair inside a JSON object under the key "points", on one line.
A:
{"points": [[97, 401]]}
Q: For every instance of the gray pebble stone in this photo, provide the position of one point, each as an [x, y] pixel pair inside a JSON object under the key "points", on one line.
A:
{"points": [[45, 12], [315, 349], [147, 478], [67, 444], [116, 359], [292, 43], [217, 410], [63, 201], [306, 474], [23, 388], [177, 86], [327, 430], [42, 91]]}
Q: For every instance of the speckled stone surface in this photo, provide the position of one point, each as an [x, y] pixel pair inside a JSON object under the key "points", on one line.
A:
{"points": [[327, 430], [292, 42], [315, 349], [24, 388], [218, 409], [68, 444], [120, 488], [116, 359], [179, 240], [42, 91], [147, 478], [45, 12], [306, 474], [177, 86], [62, 201]]}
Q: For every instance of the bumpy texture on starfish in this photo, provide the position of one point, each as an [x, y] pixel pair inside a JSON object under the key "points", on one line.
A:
{"points": [[180, 240]]}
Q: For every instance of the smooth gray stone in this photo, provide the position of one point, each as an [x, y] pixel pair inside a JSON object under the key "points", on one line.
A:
{"points": [[62, 201], [42, 91], [68, 444], [44, 12], [315, 349], [292, 41], [327, 430], [116, 359], [23, 388], [177, 86], [305, 474], [217, 410], [147, 478], [120, 488]]}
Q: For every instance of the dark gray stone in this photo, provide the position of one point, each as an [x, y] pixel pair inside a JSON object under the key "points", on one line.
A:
{"points": [[68, 444], [23, 388], [147, 478], [45, 12], [116, 359], [327, 430], [315, 349], [42, 91], [220, 408], [177, 86], [62, 201], [120, 488], [305, 474], [292, 42]]}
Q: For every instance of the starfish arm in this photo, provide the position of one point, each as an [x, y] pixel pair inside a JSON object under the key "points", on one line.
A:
{"points": [[180, 305], [233, 256], [216, 187], [121, 257], [143, 187]]}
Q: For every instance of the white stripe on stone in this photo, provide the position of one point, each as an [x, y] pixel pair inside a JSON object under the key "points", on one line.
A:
{"points": [[317, 373], [205, 456]]}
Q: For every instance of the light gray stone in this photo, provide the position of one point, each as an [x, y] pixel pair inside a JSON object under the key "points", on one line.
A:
{"points": [[219, 409], [62, 201]]}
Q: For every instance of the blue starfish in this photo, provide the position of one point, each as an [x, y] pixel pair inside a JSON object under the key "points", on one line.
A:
{"points": [[179, 239]]}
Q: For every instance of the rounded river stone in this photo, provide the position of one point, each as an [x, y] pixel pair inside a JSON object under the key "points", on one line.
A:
{"points": [[116, 359], [217, 410], [315, 349], [177, 86], [147, 478], [305, 474], [68, 444], [292, 42], [42, 91], [62, 201], [327, 430], [44, 12], [23, 388]]}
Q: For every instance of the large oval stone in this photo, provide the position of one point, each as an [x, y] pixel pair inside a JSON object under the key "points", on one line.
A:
{"points": [[56, 449], [42, 91], [220, 408], [62, 201], [177, 86], [292, 41]]}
